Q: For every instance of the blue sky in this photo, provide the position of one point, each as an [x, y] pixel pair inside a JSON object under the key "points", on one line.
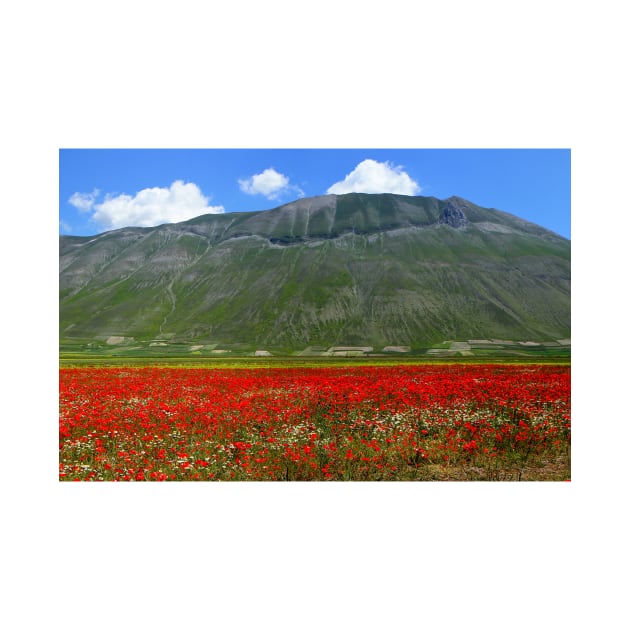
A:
{"points": [[102, 189]]}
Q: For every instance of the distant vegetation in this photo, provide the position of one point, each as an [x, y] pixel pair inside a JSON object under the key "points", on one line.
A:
{"points": [[186, 354]]}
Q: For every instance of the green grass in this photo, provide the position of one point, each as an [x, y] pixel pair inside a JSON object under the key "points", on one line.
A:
{"points": [[75, 360]]}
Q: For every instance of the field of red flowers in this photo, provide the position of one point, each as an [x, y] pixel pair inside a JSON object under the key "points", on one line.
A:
{"points": [[423, 422]]}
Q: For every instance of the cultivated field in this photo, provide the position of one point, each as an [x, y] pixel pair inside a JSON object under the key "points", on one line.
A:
{"points": [[317, 421]]}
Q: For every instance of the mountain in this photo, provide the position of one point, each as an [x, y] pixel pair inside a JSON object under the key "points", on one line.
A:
{"points": [[371, 270]]}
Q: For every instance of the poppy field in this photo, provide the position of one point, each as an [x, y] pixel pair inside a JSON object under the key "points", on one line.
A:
{"points": [[408, 422]]}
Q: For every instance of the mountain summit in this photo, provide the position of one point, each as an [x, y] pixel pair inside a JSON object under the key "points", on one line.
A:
{"points": [[360, 269]]}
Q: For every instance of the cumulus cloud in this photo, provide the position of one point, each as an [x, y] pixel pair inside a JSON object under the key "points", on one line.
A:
{"points": [[269, 183], [154, 206], [371, 176], [84, 201]]}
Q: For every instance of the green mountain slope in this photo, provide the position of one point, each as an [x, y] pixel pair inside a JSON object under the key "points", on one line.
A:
{"points": [[355, 269]]}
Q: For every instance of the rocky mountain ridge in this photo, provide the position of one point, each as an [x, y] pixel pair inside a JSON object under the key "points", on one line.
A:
{"points": [[334, 270]]}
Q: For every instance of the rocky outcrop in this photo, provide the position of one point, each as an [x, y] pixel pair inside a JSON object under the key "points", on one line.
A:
{"points": [[453, 214]]}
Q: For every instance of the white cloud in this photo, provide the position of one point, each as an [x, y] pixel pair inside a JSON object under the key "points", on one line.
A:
{"points": [[64, 227], [371, 176], [84, 201], [269, 183], [154, 206]]}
